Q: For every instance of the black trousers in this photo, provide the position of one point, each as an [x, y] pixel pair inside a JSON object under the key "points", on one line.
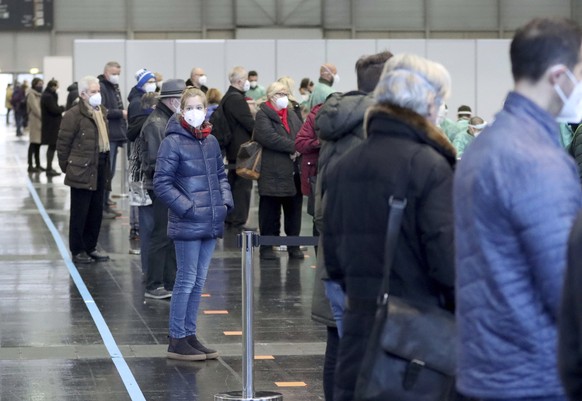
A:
{"points": [[87, 212], [270, 215], [50, 154], [162, 253], [330, 361], [34, 151], [241, 195]]}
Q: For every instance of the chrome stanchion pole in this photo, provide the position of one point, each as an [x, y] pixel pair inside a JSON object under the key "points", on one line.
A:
{"points": [[248, 354]]}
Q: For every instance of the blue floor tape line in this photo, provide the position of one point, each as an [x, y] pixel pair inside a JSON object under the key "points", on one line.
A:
{"points": [[116, 356]]}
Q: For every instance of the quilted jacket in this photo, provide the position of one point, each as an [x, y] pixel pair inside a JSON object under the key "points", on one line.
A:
{"points": [[516, 194], [191, 180]]}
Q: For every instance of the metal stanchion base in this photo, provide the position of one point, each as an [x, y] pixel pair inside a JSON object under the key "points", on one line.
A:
{"points": [[259, 396]]}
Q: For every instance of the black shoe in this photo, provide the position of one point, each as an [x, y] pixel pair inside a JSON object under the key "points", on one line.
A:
{"points": [[134, 234], [52, 173], [193, 341], [41, 168], [33, 169], [268, 254], [296, 253], [82, 258], [180, 349], [98, 257]]}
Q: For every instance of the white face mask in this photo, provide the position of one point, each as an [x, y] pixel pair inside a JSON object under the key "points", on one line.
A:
{"points": [[282, 102], [114, 79], [202, 80], [194, 117], [149, 87], [305, 97], [95, 100], [572, 109], [246, 86], [254, 84], [336, 79]]}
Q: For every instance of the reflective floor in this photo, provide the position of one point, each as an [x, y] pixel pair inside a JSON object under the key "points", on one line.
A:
{"points": [[51, 347]]}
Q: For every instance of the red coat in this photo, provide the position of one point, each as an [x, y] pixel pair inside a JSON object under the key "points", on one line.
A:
{"points": [[307, 143]]}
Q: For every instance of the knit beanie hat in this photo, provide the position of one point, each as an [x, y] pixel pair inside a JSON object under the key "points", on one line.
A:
{"points": [[142, 76]]}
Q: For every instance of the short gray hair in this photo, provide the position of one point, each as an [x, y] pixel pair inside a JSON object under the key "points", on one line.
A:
{"points": [[111, 64], [413, 82], [237, 73], [85, 82]]}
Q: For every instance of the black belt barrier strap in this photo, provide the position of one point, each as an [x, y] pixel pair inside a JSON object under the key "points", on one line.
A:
{"points": [[269, 240]]}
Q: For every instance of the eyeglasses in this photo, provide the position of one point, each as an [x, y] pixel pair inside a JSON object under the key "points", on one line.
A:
{"points": [[280, 94]]}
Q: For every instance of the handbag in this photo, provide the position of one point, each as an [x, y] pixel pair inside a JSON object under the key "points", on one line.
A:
{"points": [[248, 160], [138, 195], [411, 350]]}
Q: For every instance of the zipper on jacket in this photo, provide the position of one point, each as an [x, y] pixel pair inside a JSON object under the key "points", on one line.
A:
{"points": [[209, 185]]}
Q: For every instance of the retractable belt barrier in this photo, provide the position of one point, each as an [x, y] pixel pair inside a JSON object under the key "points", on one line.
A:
{"points": [[247, 241]]}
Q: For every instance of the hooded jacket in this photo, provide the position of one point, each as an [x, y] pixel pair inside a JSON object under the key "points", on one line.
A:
{"points": [[190, 179], [111, 100]]}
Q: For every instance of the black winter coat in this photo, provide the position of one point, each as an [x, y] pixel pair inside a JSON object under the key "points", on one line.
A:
{"points": [[277, 168], [78, 148], [153, 132], [240, 121], [356, 213], [111, 100], [52, 115], [73, 96]]}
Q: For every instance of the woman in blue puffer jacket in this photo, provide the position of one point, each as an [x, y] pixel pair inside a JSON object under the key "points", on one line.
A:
{"points": [[191, 180]]}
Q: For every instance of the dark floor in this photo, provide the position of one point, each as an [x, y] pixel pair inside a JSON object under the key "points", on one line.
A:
{"points": [[50, 345]]}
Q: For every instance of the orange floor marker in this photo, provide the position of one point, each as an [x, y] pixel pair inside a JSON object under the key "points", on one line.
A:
{"points": [[215, 312], [264, 357], [205, 295], [290, 384], [232, 333], [313, 266]]}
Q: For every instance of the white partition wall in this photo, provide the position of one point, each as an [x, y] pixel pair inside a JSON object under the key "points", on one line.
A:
{"points": [[494, 78], [458, 57], [155, 55], [207, 54], [344, 54], [396, 46], [92, 55], [300, 59], [258, 55], [61, 69]]}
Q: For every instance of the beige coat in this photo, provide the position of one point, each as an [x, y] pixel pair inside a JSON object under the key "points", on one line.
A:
{"points": [[34, 115]]}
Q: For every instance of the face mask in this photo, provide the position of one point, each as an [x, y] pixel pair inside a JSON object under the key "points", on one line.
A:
{"points": [[246, 86], [149, 87], [282, 102], [202, 80], [254, 84], [572, 109], [305, 97], [336, 79], [195, 117], [114, 79], [95, 100]]}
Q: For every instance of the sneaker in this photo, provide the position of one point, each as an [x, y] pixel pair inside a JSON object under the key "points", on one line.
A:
{"points": [[82, 258], [109, 210], [193, 341], [109, 215], [180, 349], [158, 293], [98, 257]]}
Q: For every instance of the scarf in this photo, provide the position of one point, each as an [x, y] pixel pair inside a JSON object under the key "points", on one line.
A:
{"points": [[282, 115], [198, 133]]}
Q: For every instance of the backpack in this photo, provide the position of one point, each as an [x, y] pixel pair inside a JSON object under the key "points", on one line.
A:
{"points": [[220, 127]]}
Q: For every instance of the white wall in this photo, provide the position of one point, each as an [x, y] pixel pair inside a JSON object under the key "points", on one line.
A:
{"points": [[480, 69], [61, 69]]}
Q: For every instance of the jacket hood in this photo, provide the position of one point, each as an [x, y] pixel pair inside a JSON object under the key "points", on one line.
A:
{"points": [[424, 130], [134, 92], [341, 114], [73, 87]]}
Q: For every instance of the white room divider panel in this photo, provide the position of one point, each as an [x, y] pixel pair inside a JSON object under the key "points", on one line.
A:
{"points": [[258, 55], [155, 55], [344, 54], [207, 54], [412, 46], [300, 59], [493, 76], [458, 57], [61, 69]]}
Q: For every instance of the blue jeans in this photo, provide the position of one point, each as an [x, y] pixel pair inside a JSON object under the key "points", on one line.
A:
{"points": [[337, 301], [146, 225], [193, 259]]}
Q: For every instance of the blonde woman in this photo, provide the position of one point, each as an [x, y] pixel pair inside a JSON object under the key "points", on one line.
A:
{"points": [[190, 179]]}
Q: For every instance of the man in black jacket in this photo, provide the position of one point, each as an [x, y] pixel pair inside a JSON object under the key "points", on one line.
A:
{"points": [[117, 118], [241, 123], [158, 256]]}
